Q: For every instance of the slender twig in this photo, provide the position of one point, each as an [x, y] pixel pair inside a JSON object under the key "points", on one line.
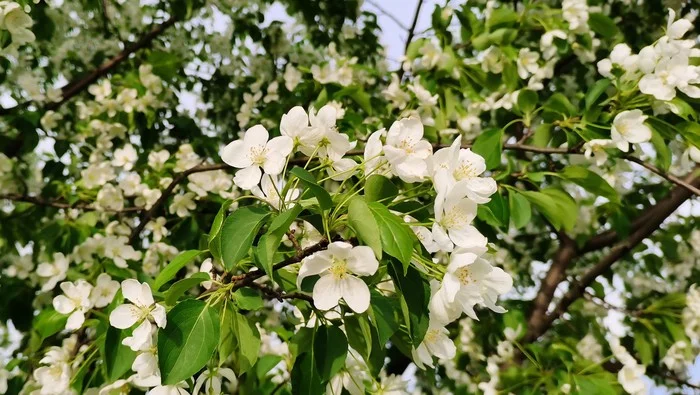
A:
{"points": [[411, 32], [39, 201], [387, 14], [279, 295], [669, 177]]}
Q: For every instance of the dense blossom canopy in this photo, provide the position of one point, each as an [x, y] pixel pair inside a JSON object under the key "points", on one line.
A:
{"points": [[198, 198]]}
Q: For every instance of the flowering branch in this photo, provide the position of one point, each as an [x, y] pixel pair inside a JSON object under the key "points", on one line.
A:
{"points": [[77, 86], [279, 295]]}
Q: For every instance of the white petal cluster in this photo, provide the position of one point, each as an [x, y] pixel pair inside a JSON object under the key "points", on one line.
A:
{"points": [[664, 67]]}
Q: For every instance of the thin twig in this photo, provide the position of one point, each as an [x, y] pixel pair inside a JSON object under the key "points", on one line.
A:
{"points": [[411, 32], [387, 14], [39, 201], [279, 295]]}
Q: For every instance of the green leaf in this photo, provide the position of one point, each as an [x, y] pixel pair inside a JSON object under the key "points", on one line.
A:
{"points": [[643, 348], [248, 299], [306, 178], [520, 210], [560, 104], [489, 144], [397, 238], [362, 221], [559, 214], [49, 322], [117, 357], [170, 270], [179, 288], [663, 152], [380, 188], [542, 135], [382, 313], [527, 101], [603, 25], [238, 232], [415, 296], [590, 181], [330, 350], [269, 243], [359, 333], [239, 338], [165, 64], [305, 378], [215, 231], [187, 343], [596, 91]]}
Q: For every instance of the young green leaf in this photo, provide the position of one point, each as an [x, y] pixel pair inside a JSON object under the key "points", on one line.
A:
{"points": [[309, 181], [396, 237], [187, 343], [271, 240], [171, 269], [179, 288], [520, 210], [415, 296], [330, 350], [238, 232], [117, 357], [489, 144], [362, 221], [239, 338], [380, 188], [590, 181]]}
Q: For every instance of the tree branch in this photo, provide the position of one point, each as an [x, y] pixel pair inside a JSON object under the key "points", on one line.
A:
{"points": [[279, 295], [76, 86], [39, 201], [654, 217], [411, 32], [387, 14]]}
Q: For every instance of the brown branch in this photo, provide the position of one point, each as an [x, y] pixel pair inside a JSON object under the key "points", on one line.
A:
{"points": [[279, 295], [669, 177], [562, 259], [654, 217], [411, 32], [39, 201], [77, 86]]}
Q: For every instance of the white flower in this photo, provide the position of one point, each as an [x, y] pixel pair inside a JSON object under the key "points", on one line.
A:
{"points": [[590, 349], [142, 307], [186, 158], [255, 152], [575, 12], [527, 62], [329, 142], [102, 90], [337, 267], [156, 159], [295, 125], [453, 165], [669, 74], [342, 169], [17, 22], [182, 204], [398, 97], [131, 184], [54, 271], [453, 216], [292, 77], [74, 301], [119, 250], [125, 157], [157, 228], [211, 380], [352, 377], [270, 189], [407, 151], [177, 389], [425, 98], [50, 120], [374, 161], [631, 377], [628, 127], [676, 30], [104, 290], [547, 42], [435, 343], [492, 61], [97, 175], [109, 198], [127, 98], [596, 149], [471, 280], [54, 379]]}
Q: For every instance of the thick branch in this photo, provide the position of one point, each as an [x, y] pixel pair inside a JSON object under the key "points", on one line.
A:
{"points": [[77, 86], [411, 32], [557, 273], [654, 218]]}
